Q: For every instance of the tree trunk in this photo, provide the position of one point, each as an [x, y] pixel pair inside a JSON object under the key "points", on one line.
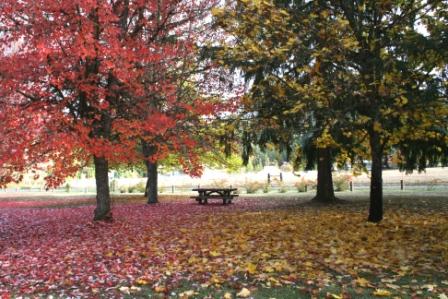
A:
{"points": [[386, 161], [376, 182], [147, 183], [325, 191], [151, 184], [151, 170], [102, 210]]}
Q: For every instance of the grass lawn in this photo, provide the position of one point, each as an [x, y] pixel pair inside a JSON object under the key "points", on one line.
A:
{"points": [[259, 247]]}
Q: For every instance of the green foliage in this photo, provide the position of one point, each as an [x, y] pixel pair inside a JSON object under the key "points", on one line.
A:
{"points": [[234, 163], [360, 80]]}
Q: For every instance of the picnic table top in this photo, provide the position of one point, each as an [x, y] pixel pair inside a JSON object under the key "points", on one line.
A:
{"points": [[214, 189]]}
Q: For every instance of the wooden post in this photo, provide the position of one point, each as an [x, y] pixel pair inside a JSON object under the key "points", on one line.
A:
{"points": [[401, 185], [269, 178], [351, 186]]}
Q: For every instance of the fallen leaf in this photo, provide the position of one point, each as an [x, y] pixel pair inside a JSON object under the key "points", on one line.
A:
{"points": [[251, 268], [228, 295], [142, 281], [244, 293], [159, 289], [214, 253], [124, 290], [186, 294], [333, 296], [362, 282], [381, 293], [135, 289]]}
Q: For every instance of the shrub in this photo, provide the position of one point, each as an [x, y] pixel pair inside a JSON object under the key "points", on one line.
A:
{"points": [[223, 183], [341, 182], [432, 184], [282, 188], [132, 189], [140, 187], [266, 188], [286, 167], [253, 187], [123, 189], [113, 185], [302, 185], [137, 188]]}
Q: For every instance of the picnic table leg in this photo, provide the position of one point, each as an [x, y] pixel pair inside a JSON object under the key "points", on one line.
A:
{"points": [[226, 198], [202, 198]]}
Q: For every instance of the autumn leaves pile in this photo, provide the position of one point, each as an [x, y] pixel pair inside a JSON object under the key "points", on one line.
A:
{"points": [[246, 245]]}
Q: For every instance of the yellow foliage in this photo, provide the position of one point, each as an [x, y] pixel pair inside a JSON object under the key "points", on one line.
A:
{"points": [[382, 293]]}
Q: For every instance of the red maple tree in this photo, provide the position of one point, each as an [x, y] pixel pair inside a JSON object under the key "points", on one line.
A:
{"points": [[93, 79]]}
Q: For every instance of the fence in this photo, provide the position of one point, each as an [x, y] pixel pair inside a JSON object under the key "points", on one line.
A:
{"points": [[273, 187]]}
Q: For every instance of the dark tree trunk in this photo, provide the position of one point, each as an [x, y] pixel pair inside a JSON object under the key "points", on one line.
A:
{"points": [[102, 210], [386, 162], [325, 191], [151, 170], [147, 183], [151, 184], [376, 182]]}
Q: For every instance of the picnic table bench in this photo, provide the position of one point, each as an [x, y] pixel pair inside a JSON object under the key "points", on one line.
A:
{"points": [[205, 193]]}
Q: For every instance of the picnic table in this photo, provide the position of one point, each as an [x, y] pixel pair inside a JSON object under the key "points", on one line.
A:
{"points": [[205, 193]]}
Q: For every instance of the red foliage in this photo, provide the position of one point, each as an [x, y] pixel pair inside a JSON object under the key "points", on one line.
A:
{"points": [[95, 78]]}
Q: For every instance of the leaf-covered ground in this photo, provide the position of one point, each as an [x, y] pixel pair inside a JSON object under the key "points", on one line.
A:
{"points": [[250, 248]]}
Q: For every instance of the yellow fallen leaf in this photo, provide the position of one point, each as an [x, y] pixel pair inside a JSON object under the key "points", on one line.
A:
{"points": [[142, 281], [159, 289], [443, 296], [186, 294], [214, 253], [268, 269], [227, 295], [244, 293], [274, 281], [362, 282], [333, 296], [381, 293], [251, 268], [193, 260], [308, 264]]}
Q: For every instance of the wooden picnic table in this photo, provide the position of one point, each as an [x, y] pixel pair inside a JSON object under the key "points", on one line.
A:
{"points": [[205, 193]]}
